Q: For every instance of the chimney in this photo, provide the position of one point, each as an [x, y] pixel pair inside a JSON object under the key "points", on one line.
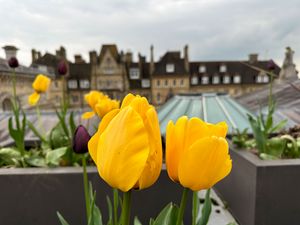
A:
{"points": [[61, 53], [33, 55], [39, 55], [128, 57], [151, 60], [78, 59], [10, 51], [93, 57], [253, 58], [186, 58]]}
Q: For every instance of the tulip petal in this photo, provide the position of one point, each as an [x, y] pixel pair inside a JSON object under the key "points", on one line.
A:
{"points": [[123, 150], [175, 145], [87, 115], [205, 163], [154, 162], [93, 143], [41, 83], [33, 98], [196, 129], [219, 129], [127, 100]]}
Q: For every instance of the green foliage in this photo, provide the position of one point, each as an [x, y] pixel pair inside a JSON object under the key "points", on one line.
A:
{"points": [[206, 210], [241, 139], [168, 216]]}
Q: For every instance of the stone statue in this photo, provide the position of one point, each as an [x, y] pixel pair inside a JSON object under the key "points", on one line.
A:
{"points": [[288, 70]]}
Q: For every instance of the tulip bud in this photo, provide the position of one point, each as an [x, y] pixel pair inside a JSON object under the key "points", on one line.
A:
{"points": [[62, 68], [13, 62], [271, 65], [80, 140]]}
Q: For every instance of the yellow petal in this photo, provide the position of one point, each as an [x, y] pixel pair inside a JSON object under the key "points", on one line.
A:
{"points": [[107, 118], [175, 137], [33, 98], [154, 162], [126, 101], [41, 83], [123, 150], [196, 129], [219, 129], [87, 115], [140, 105], [205, 163]]}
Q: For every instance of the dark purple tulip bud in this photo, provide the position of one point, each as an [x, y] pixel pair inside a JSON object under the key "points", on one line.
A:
{"points": [[62, 68], [80, 140], [13, 62], [271, 65]]}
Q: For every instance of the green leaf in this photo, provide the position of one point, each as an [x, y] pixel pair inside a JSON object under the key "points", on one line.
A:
{"points": [[151, 222], [61, 219], [136, 221], [57, 137], [53, 157], [62, 121], [258, 133], [168, 216], [15, 134], [36, 161], [9, 156], [279, 126], [110, 210], [72, 123], [35, 131], [206, 210], [265, 156], [276, 146]]}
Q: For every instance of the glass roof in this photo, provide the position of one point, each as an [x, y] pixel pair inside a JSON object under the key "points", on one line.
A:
{"points": [[210, 107]]}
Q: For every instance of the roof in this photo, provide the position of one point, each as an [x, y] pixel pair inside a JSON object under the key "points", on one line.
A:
{"points": [[170, 58], [112, 48], [10, 47], [49, 60], [210, 107], [80, 70], [286, 95], [243, 68]]}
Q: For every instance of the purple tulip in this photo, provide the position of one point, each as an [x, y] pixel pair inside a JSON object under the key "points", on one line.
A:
{"points": [[62, 68], [271, 65], [13, 62], [80, 140]]}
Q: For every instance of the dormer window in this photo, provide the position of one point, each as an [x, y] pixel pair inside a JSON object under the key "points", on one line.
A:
{"points": [[237, 79], [202, 69], [266, 79], [134, 73], [194, 80], [223, 68], [72, 84], [216, 79], [84, 84], [170, 68], [226, 79], [205, 80]]}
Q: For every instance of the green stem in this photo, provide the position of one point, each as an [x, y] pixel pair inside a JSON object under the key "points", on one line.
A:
{"points": [[125, 217], [195, 207], [116, 202], [270, 91], [182, 206], [86, 190]]}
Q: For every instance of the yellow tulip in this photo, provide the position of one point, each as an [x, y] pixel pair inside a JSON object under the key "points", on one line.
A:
{"points": [[106, 105], [197, 153], [127, 146], [40, 85]]}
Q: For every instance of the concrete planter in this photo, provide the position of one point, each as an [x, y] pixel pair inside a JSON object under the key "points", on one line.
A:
{"points": [[262, 192], [33, 195]]}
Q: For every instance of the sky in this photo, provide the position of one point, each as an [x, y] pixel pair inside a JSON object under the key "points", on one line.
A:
{"points": [[213, 29]]}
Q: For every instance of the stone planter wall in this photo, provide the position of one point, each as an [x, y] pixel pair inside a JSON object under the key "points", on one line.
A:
{"points": [[262, 192]]}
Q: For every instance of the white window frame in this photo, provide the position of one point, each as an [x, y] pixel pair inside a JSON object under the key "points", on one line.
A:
{"points": [[145, 83], [259, 79], [84, 84], [72, 84], [237, 79], [134, 73], [194, 80], [223, 68], [202, 69], [204, 80], [216, 79], [226, 79], [265, 79], [170, 68]]}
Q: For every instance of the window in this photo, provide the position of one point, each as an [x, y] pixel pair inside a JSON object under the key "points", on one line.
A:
{"points": [[84, 84], [205, 80], [223, 69], [265, 79], [194, 80], [158, 83], [72, 84], [259, 79], [170, 68], [174, 83], [216, 79], [181, 82], [166, 83], [226, 79], [202, 69], [74, 98], [145, 83], [237, 79], [108, 83], [158, 97], [108, 70], [134, 73], [43, 68]]}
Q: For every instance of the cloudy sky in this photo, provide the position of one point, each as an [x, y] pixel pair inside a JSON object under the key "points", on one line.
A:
{"points": [[213, 29]]}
